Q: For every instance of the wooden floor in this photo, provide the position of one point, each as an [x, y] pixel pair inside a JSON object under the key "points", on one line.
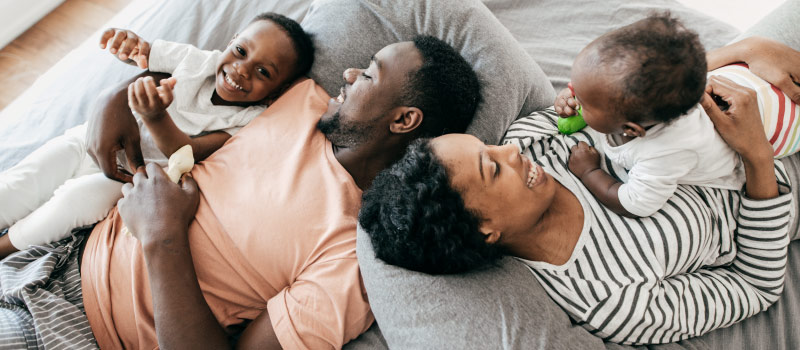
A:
{"points": [[35, 51]]}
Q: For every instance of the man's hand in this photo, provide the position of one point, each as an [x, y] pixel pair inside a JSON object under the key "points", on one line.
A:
{"points": [[565, 104], [113, 128], [155, 209], [771, 60], [777, 64], [128, 46], [583, 159], [148, 100]]}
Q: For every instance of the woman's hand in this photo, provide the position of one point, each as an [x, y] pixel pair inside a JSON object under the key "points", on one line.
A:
{"points": [[155, 209], [773, 61], [741, 127], [128, 46]]}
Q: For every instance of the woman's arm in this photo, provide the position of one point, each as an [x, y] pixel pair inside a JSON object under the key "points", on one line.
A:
{"points": [[158, 212], [769, 59], [694, 303]]}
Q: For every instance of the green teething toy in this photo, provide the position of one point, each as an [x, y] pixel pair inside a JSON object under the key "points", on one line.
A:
{"points": [[571, 124]]}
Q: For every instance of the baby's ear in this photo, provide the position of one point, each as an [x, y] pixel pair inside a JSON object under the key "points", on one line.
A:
{"points": [[633, 129]]}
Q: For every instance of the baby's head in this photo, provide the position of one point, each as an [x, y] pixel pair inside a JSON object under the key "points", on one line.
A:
{"points": [[263, 59], [646, 73]]}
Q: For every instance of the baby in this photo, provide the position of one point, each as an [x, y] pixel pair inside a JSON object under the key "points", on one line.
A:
{"points": [[640, 86], [210, 96]]}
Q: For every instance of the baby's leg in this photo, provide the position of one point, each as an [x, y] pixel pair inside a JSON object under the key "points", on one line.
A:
{"points": [[79, 202], [27, 185]]}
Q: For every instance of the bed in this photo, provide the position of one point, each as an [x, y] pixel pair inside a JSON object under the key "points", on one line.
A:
{"points": [[522, 51]]}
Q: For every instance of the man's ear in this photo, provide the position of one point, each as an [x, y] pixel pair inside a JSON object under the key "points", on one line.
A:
{"points": [[491, 235], [633, 129], [407, 119]]}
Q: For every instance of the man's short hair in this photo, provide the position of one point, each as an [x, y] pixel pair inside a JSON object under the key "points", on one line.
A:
{"points": [[662, 65], [416, 220], [445, 88], [303, 46]]}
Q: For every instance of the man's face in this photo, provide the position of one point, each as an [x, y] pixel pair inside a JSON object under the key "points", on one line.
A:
{"points": [[370, 97]]}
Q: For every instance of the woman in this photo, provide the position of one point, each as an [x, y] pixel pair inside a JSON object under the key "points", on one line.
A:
{"points": [[709, 259]]}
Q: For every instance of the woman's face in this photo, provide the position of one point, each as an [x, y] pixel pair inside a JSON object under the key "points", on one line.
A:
{"points": [[509, 192]]}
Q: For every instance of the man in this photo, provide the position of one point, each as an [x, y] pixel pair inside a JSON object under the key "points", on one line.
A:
{"points": [[268, 243]]}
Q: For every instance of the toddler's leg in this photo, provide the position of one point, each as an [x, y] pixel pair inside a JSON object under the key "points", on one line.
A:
{"points": [[24, 187], [79, 202]]}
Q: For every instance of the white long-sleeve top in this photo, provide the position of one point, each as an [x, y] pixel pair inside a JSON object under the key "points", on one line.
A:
{"points": [[686, 151], [191, 109], [710, 258]]}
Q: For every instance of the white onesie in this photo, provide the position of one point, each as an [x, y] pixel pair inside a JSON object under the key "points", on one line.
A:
{"points": [[687, 150], [58, 187]]}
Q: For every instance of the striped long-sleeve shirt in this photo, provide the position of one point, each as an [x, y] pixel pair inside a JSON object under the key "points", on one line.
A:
{"points": [[708, 259]]}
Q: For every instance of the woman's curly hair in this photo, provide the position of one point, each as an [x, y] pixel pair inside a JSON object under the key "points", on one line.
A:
{"points": [[418, 221]]}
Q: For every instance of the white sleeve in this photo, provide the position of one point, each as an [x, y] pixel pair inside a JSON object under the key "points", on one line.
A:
{"points": [[651, 182], [166, 55]]}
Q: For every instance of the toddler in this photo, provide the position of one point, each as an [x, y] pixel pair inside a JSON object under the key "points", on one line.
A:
{"points": [[210, 96], [640, 86]]}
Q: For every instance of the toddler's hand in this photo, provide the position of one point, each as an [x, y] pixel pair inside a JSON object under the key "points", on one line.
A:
{"points": [[128, 46], [583, 159], [150, 101], [565, 104]]}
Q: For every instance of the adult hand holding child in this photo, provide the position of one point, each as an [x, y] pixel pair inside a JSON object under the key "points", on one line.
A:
{"points": [[771, 60], [741, 127], [155, 209]]}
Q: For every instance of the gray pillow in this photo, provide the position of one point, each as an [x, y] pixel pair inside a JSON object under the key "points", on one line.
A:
{"points": [[348, 32], [497, 308]]}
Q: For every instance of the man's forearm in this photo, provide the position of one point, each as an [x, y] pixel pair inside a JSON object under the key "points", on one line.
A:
{"points": [[605, 188], [182, 317], [739, 51]]}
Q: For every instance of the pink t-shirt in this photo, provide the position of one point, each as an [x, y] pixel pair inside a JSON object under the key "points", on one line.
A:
{"points": [[275, 231]]}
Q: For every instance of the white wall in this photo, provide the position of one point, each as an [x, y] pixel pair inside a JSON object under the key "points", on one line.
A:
{"points": [[741, 14], [16, 16]]}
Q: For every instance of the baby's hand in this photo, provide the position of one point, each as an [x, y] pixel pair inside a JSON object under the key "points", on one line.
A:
{"points": [[565, 104], [149, 101], [583, 159], [128, 46]]}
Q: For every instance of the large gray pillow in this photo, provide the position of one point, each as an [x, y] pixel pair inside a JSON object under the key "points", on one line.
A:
{"points": [[498, 308], [348, 32]]}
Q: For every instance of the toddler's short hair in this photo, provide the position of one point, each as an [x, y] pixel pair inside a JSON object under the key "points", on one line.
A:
{"points": [[303, 46], [662, 65]]}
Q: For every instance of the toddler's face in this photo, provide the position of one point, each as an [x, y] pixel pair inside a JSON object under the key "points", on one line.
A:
{"points": [[256, 63]]}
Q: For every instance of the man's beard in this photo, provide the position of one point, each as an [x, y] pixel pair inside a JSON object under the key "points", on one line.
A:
{"points": [[345, 135]]}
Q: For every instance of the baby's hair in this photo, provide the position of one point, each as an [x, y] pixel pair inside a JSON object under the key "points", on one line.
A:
{"points": [[301, 40], [662, 68]]}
